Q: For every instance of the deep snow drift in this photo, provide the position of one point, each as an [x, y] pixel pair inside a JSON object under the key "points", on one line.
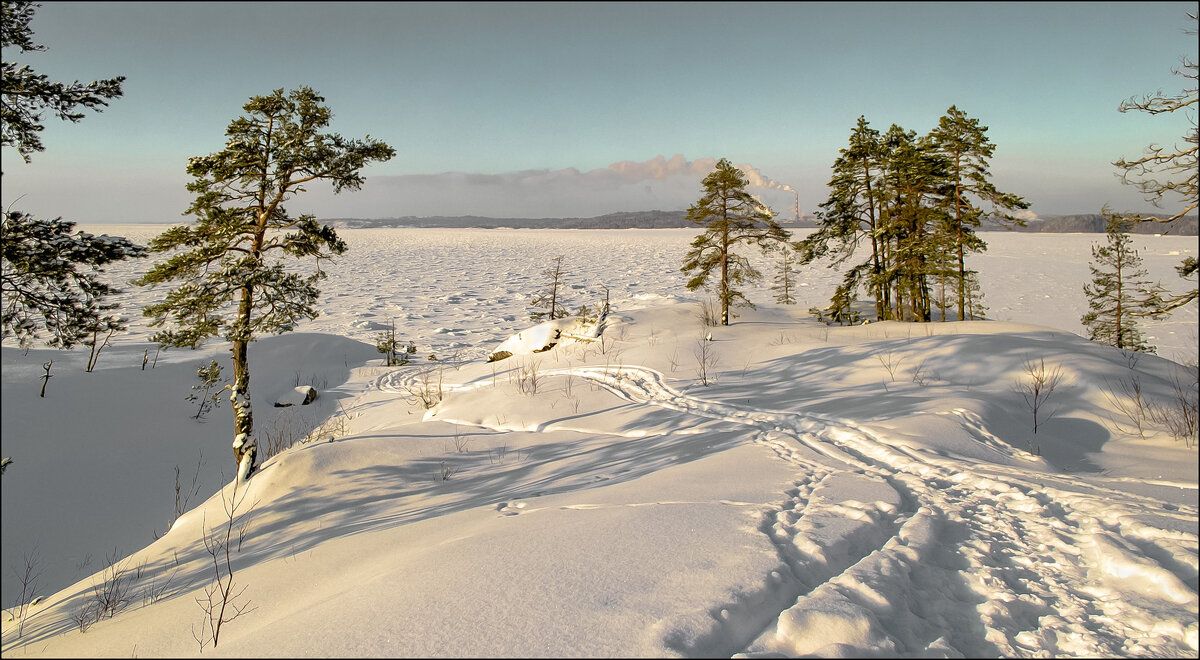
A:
{"points": [[833, 490]]}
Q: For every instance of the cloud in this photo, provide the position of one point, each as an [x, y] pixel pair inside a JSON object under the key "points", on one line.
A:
{"points": [[660, 168], [658, 183]]}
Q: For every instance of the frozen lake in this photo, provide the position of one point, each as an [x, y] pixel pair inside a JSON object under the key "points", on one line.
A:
{"points": [[466, 290]]}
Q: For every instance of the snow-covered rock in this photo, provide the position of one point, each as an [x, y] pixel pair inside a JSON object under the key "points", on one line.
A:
{"points": [[298, 396], [542, 337]]}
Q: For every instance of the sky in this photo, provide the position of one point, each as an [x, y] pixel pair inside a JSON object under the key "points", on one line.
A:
{"points": [[579, 109]]}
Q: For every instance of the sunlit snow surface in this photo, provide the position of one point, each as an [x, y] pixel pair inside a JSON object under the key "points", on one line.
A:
{"points": [[836, 491], [467, 289]]}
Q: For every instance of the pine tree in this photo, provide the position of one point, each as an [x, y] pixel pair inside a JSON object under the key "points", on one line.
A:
{"points": [[915, 184], [785, 276], [966, 147], [50, 279], [851, 213], [550, 300], [49, 274], [1162, 173], [26, 95], [232, 280], [888, 191], [841, 304], [971, 292], [730, 216], [386, 343], [1115, 288]]}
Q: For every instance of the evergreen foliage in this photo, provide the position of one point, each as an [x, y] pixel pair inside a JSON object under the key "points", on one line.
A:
{"points": [[49, 275], [916, 201], [26, 95], [209, 375], [784, 284], [963, 142], [386, 343], [50, 280], [231, 279], [913, 231], [550, 302], [730, 216], [851, 214], [1116, 286]]}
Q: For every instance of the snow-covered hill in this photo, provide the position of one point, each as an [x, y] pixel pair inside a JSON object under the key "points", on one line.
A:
{"points": [[862, 490]]}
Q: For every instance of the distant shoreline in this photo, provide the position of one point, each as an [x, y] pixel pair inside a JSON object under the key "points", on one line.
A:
{"points": [[1063, 224]]}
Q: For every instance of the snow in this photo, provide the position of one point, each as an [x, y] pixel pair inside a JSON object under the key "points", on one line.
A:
{"points": [[297, 396], [837, 491]]}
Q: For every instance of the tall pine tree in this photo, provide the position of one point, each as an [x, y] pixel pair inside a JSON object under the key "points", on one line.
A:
{"points": [[887, 191], [915, 184], [850, 215], [966, 147], [232, 280], [730, 216]]}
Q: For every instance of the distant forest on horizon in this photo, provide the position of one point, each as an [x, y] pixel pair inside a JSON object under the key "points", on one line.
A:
{"points": [[1060, 224]]}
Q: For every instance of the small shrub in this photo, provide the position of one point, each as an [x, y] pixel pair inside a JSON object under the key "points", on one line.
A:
{"points": [[427, 389], [706, 360], [29, 587], [890, 362], [221, 603], [385, 342], [460, 441], [528, 377], [1181, 413], [1036, 389], [108, 597]]}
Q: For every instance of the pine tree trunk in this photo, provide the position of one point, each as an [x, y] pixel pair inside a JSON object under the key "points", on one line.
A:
{"points": [[958, 223], [962, 279], [725, 274], [881, 289], [926, 304], [1120, 315], [787, 277], [243, 413], [554, 290]]}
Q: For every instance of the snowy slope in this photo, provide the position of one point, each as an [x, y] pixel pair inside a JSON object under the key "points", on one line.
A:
{"points": [[834, 491]]}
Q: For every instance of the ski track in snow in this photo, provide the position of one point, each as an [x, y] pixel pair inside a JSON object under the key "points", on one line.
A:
{"points": [[1029, 561]]}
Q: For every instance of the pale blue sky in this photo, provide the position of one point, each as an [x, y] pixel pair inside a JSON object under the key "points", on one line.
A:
{"points": [[503, 88]]}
